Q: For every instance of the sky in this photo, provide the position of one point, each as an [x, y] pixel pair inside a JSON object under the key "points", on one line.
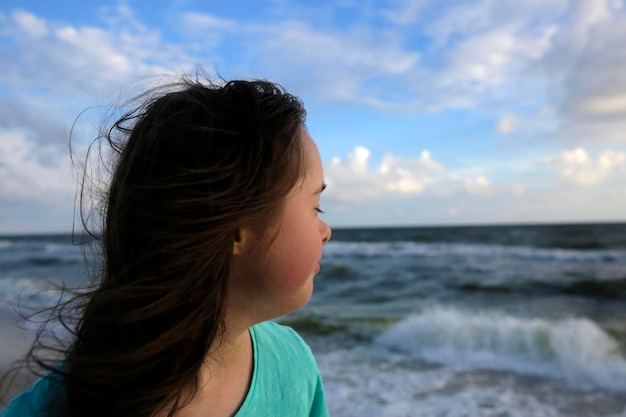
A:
{"points": [[426, 112]]}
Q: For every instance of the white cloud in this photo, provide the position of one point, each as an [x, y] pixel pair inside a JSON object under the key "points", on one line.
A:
{"points": [[406, 12], [57, 70], [421, 190], [479, 53], [541, 69], [353, 180], [346, 64], [479, 185], [193, 22], [532, 54], [563, 56], [460, 20], [589, 12], [584, 67], [94, 48], [577, 167], [82, 61], [604, 105], [474, 54], [362, 52], [24, 176], [30, 24], [206, 32], [358, 160], [507, 125]]}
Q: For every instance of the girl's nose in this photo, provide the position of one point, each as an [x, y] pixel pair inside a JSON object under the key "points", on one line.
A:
{"points": [[326, 232]]}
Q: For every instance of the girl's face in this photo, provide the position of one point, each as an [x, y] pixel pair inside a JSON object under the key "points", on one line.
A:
{"points": [[265, 285]]}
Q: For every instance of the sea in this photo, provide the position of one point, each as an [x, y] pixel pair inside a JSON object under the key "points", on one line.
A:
{"points": [[493, 321]]}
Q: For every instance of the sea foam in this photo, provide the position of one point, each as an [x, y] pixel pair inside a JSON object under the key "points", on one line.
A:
{"points": [[407, 248], [574, 349]]}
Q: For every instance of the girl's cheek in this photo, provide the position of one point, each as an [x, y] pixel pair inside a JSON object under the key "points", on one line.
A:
{"points": [[296, 274]]}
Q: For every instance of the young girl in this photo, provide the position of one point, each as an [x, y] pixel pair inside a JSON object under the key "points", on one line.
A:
{"points": [[210, 229]]}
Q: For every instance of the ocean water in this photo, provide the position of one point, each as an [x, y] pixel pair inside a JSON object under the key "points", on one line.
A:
{"points": [[451, 321]]}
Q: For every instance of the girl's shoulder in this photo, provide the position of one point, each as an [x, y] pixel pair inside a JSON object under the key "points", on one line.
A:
{"points": [[40, 399], [286, 381], [271, 337], [276, 330]]}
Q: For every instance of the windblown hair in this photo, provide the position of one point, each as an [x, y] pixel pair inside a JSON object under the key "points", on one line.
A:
{"points": [[192, 166]]}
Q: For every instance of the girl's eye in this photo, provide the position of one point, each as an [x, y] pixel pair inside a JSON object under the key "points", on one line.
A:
{"points": [[319, 211]]}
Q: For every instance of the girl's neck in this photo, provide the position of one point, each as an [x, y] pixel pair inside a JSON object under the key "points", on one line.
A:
{"points": [[224, 378]]}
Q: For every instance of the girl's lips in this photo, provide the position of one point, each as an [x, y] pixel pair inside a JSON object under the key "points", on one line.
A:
{"points": [[317, 268]]}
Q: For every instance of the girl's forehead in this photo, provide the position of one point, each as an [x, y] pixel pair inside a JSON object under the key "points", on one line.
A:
{"points": [[312, 155], [312, 175]]}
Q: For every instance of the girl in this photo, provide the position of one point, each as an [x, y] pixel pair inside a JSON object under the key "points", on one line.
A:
{"points": [[210, 229]]}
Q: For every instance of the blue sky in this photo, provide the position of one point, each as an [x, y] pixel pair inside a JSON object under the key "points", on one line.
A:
{"points": [[425, 112]]}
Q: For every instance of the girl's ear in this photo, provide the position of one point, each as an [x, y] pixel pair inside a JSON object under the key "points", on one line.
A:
{"points": [[239, 241]]}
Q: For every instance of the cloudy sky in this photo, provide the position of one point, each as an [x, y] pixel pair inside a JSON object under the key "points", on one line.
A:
{"points": [[426, 112]]}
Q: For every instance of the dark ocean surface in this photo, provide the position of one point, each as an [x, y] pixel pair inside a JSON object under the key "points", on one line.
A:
{"points": [[437, 321]]}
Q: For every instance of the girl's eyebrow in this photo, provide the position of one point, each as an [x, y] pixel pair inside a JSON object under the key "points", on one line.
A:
{"points": [[319, 190]]}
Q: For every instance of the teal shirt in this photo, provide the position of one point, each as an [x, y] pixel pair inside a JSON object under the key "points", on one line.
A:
{"points": [[285, 383]]}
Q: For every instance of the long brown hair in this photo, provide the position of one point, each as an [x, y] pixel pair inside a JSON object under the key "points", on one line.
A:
{"points": [[192, 165]]}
